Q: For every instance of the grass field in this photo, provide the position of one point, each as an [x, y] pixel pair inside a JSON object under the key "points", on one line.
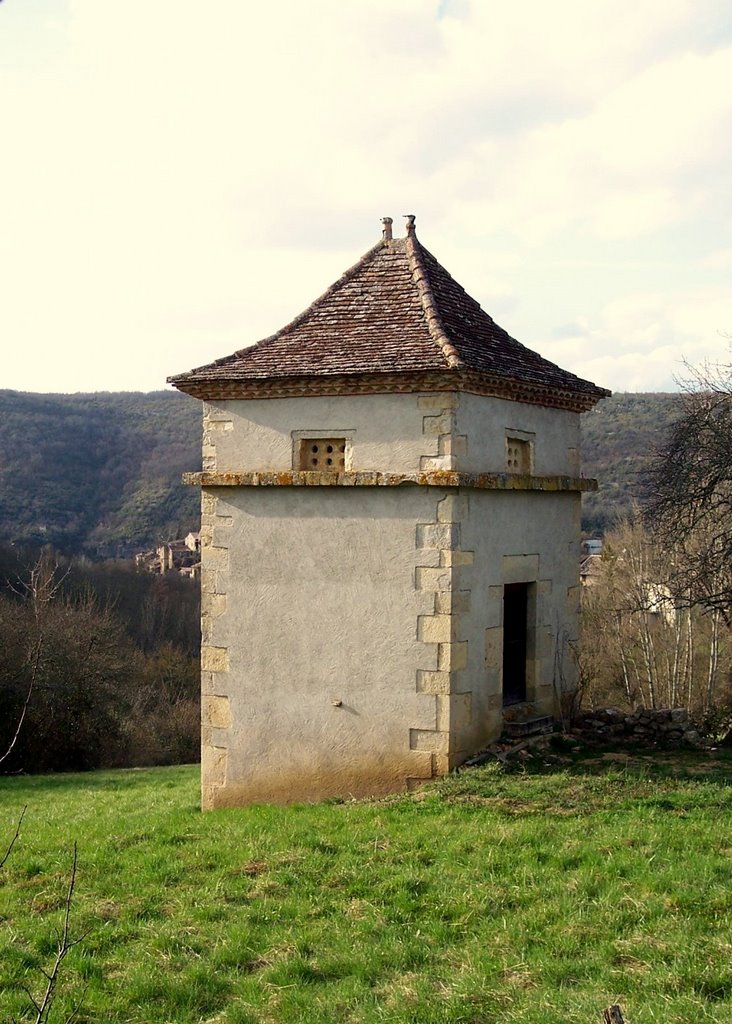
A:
{"points": [[541, 895]]}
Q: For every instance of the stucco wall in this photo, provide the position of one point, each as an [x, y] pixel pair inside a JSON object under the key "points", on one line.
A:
{"points": [[352, 636], [515, 538], [392, 433], [321, 608], [386, 431], [484, 422]]}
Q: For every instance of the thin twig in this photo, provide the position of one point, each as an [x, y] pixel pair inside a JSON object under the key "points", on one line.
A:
{"points": [[65, 944], [75, 1012], [27, 701], [42, 586], [15, 837]]}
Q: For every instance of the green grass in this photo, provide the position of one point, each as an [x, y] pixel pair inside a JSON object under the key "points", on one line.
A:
{"points": [[540, 896]]}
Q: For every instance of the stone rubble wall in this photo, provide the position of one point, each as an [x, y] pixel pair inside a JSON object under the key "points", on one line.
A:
{"points": [[651, 727]]}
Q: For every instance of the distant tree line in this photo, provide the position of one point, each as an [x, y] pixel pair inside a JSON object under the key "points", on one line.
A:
{"points": [[99, 662]]}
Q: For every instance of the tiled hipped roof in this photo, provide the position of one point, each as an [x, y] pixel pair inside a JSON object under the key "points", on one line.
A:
{"points": [[396, 321]]}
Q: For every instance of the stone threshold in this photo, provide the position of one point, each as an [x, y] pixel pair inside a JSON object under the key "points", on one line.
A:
{"points": [[434, 478]]}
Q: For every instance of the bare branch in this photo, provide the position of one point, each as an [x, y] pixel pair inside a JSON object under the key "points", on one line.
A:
{"points": [[75, 1012], [65, 944], [30, 996], [15, 837], [42, 584], [34, 673], [691, 507]]}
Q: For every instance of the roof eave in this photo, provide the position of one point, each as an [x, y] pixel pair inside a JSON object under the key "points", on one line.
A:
{"points": [[579, 398]]}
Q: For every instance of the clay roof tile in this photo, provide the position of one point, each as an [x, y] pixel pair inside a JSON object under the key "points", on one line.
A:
{"points": [[398, 313]]}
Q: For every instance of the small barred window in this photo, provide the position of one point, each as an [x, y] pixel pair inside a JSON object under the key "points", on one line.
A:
{"points": [[518, 455], [323, 454]]}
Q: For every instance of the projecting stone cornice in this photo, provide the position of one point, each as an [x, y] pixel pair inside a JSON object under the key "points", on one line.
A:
{"points": [[332, 385], [437, 478]]}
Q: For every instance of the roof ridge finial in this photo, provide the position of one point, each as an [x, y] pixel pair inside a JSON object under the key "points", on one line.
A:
{"points": [[386, 232], [410, 219]]}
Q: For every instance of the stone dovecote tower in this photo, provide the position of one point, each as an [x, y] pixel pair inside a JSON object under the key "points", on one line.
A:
{"points": [[390, 528]]}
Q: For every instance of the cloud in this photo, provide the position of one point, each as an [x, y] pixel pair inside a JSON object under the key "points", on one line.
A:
{"points": [[181, 181], [644, 341]]}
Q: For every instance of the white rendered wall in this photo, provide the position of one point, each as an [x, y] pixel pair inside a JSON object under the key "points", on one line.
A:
{"points": [[515, 537], [320, 607], [352, 636], [386, 431], [391, 433], [485, 422]]}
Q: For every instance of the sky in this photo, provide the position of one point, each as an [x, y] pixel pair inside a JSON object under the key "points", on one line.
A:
{"points": [[181, 178]]}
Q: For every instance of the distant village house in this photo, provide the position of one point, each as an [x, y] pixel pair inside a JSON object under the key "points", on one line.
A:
{"points": [[181, 556]]}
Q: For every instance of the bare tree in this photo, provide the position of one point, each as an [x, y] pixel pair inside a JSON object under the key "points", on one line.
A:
{"points": [[42, 582], [691, 507], [66, 686], [645, 644]]}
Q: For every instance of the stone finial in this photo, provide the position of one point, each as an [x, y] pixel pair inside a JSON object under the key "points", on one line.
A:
{"points": [[386, 233], [410, 219]]}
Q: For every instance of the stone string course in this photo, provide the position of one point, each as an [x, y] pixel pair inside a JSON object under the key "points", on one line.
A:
{"points": [[448, 447]]}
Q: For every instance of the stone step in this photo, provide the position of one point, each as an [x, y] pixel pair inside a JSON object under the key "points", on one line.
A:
{"points": [[529, 727]]}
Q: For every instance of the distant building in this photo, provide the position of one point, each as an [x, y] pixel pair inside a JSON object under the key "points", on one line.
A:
{"points": [[147, 561], [592, 546], [174, 556], [590, 569], [390, 536]]}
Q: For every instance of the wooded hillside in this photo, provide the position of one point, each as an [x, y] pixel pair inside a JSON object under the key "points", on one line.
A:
{"points": [[100, 473], [620, 438]]}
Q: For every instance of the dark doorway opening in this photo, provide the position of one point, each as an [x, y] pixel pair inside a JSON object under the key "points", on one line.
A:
{"points": [[515, 630]]}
